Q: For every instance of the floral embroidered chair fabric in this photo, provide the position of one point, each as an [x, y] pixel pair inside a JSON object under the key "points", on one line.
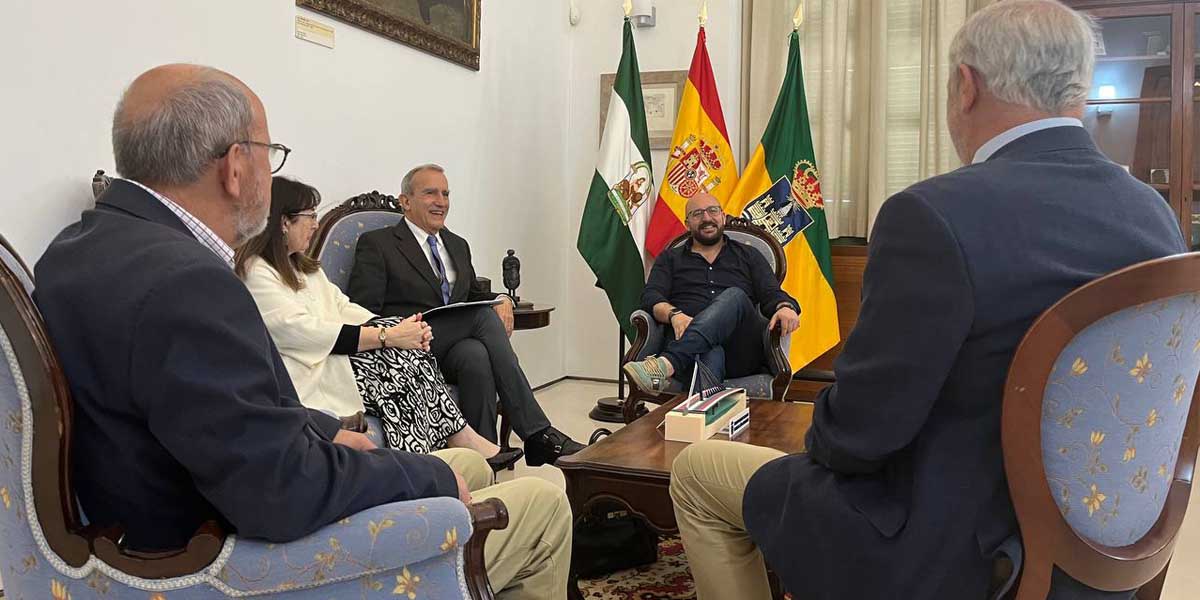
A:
{"points": [[1113, 417], [1100, 431], [412, 550], [337, 252]]}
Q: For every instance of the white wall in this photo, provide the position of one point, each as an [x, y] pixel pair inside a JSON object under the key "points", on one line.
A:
{"points": [[518, 138], [591, 346], [357, 117]]}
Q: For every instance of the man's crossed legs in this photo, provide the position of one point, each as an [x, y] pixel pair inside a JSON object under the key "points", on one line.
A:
{"points": [[726, 336]]}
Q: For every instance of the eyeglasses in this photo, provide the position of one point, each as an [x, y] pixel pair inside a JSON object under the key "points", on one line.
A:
{"points": [[711, 211], [276, 153], [312, 214]]}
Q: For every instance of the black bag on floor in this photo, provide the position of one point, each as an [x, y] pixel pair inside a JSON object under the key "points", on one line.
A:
{"points": [[609, 539]]}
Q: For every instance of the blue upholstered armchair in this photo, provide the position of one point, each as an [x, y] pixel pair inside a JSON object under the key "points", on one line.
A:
{"points": [[418, 549], [334, 244], [1100, 429], [771, 383]]}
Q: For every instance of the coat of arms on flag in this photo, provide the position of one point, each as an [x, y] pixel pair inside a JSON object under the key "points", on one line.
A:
{"points": [[695, 169], [806, 185], [630, 192], [780, 211]]}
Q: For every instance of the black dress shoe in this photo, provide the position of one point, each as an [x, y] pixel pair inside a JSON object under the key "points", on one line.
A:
{"points": [[548, 445], [505, 459]]}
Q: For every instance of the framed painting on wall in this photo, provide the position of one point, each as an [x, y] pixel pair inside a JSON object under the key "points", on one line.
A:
{"points": [[661, 93], [445, 28]]}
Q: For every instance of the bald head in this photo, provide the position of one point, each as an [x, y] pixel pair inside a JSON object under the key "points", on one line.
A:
{"points": [[701, 200], [173, 120]]}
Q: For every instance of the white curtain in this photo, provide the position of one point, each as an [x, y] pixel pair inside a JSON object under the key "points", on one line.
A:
{"points": [[875, 75]]}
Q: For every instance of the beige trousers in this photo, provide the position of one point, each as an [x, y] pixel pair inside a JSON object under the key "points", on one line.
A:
{"points": [[707, 482], [531, 558]]}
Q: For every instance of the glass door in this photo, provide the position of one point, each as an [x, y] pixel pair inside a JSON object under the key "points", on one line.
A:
{"points": [[1133, 110]]}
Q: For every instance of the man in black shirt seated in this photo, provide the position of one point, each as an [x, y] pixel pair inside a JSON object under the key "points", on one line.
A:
{"points": [[715, 295]]}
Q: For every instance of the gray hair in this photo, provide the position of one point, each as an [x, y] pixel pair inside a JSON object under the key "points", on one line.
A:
{"points": [[1035, 53], [406, 184], [173, 142]]}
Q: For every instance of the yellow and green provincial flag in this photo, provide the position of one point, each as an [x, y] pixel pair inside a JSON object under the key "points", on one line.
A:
{"points": [[780, 190]]}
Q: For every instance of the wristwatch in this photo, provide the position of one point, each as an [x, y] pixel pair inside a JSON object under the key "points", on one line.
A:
{"points": [[383, 337], [671, 315]]}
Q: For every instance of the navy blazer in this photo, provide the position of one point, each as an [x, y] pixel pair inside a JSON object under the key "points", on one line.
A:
{"points": [[183, 409], [902, 492], [392, 277]]}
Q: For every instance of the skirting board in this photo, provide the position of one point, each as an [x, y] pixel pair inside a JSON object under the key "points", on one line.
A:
{"points": [[574, 378]]}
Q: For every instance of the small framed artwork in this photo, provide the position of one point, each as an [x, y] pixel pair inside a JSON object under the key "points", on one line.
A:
{"points": [[661, 93]]}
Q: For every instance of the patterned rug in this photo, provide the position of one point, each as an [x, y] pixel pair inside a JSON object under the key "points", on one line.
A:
{"points": [[666, 579]]}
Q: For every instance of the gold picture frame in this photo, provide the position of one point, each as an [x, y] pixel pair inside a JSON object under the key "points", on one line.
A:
{"points": [[661, 93], [445, 28]]}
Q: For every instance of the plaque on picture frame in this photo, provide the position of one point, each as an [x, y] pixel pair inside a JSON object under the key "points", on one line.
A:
{"points": [[661, 93], [445, 28]]}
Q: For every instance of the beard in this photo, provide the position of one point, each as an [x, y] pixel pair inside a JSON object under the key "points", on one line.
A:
{"points": [[251, 218], [708, 239]]}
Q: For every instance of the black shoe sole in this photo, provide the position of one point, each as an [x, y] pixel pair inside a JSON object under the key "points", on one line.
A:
{"points": [[505, 460]]}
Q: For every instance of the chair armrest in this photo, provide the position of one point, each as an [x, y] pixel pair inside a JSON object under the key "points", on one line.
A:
{"points": [[380, 539], [202, 549], [649, 338], [777, 362], [486, 516]]}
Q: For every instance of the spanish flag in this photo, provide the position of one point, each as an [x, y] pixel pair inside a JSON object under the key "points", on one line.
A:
{"points": [[780, 190], [700, 158]]}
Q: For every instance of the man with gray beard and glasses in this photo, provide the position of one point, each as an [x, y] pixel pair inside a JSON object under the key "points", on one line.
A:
{"points": [[184, 411]]}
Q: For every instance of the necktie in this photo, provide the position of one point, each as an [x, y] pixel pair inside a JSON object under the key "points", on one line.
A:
{"points": [[439, 268]]}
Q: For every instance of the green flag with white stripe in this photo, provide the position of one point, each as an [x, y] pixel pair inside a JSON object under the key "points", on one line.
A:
{"points": [[612, 233]]}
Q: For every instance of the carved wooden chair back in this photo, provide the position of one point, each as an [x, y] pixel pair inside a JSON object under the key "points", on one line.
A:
{"points": [[1099, 428], [338, 231]]}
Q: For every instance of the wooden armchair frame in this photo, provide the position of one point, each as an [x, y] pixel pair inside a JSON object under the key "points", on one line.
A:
{"points": [[1048, 540]]}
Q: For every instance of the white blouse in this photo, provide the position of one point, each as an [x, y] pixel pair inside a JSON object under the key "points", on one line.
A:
{"points": [[305, 325]]}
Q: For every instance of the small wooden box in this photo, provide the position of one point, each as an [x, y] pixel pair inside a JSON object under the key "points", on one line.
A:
{"points": [[692, 427]]}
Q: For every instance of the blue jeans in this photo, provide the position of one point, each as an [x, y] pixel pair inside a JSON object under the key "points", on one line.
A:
{"points": [[727, 336]]}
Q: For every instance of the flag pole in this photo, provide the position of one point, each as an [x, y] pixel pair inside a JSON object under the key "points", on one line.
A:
{"points": [[611, 409]]}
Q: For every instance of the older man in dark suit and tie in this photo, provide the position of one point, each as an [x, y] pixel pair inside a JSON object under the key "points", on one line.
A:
{"points": [[419, 264], [901, 493]]}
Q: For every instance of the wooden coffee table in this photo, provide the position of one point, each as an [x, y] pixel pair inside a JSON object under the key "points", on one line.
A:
{"points": [[633, 465]]}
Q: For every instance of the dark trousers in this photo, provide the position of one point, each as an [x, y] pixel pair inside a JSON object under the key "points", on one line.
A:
{"points": [[727, 336], [476, 356]]}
